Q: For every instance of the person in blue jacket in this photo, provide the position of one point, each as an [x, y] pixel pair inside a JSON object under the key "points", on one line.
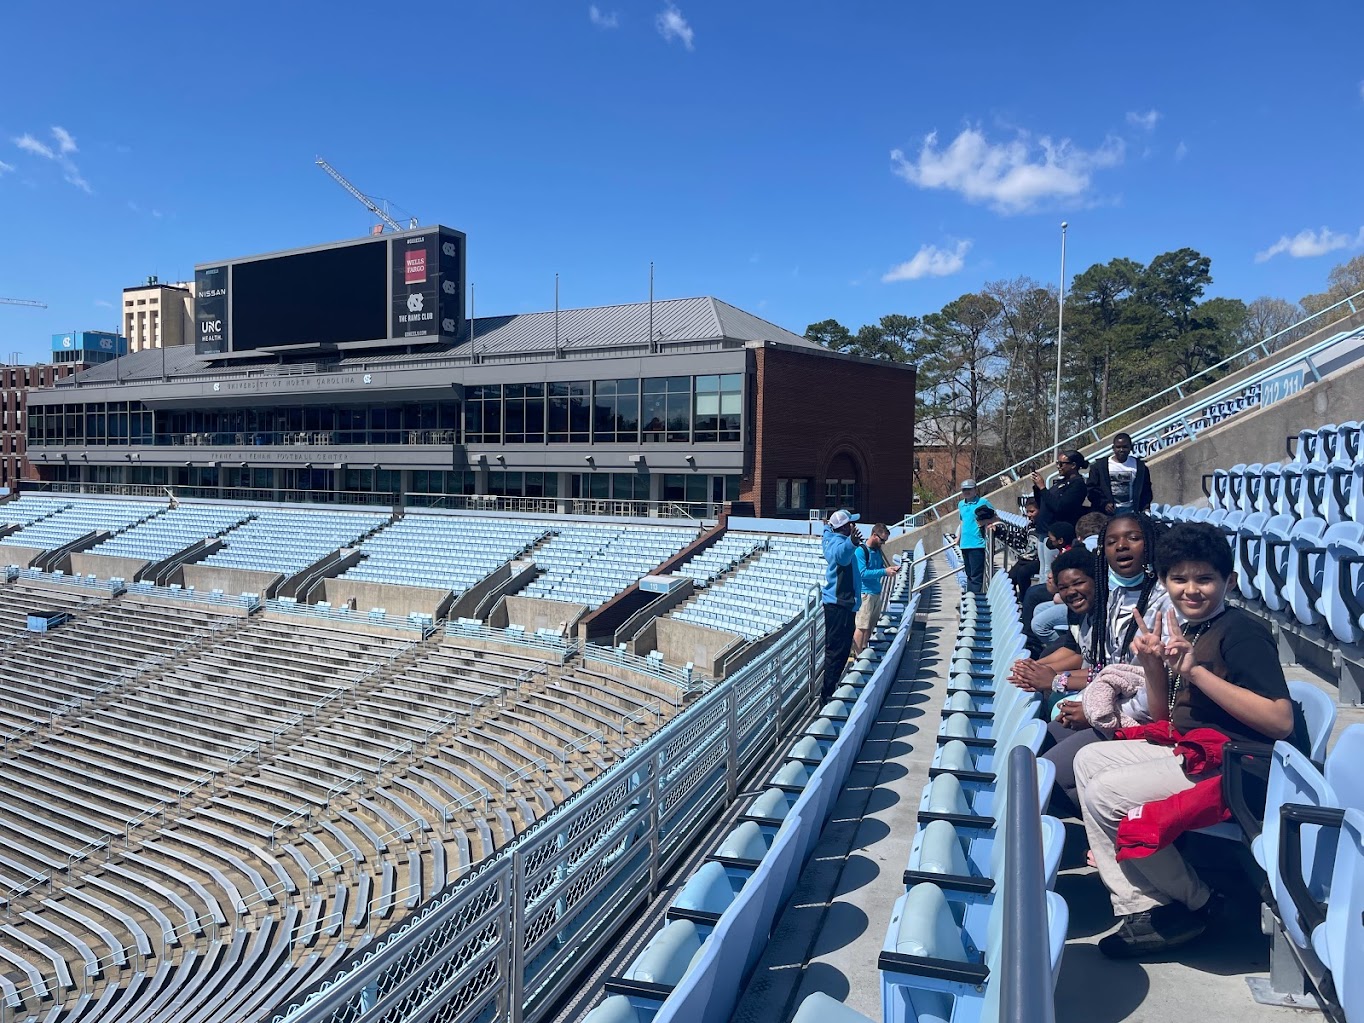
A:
{"points": [[872, 569], [970, 538], [840, 593]]}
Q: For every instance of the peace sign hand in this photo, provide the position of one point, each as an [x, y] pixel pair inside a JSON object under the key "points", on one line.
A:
{"points": [[1148, 645], [1179, 655]]}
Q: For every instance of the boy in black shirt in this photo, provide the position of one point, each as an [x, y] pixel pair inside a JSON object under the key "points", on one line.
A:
{"points": [[1207, 666]]}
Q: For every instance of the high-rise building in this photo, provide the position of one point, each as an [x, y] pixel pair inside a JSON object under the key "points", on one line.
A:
{"points": [[87, 347], [157, 315]]}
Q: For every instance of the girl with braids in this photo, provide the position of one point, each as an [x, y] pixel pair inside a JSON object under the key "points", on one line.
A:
{"points": [[1125, 586]]}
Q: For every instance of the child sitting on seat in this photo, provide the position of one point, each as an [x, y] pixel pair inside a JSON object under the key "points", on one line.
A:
{"points": [[1207, 666]]}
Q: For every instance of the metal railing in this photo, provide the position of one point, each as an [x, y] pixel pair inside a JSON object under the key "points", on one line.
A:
{"points": [[685, 679], [507, 940], [1095, 432], [423, 624], [1025, 972], [539, 641]]}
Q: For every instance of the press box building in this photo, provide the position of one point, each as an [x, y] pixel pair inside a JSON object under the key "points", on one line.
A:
{"points": [[351, 373]]}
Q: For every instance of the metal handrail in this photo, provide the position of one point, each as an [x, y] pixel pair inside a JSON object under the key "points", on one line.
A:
{"points": [[1095, 429], [1025, 973]]}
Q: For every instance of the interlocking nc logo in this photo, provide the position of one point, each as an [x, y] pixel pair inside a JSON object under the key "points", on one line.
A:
{"points": [[449, 249], [414, 302], [447, 325], [448, 287]]}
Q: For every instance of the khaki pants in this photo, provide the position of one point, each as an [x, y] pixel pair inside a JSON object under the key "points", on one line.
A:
{"points": [[1113, 778]]}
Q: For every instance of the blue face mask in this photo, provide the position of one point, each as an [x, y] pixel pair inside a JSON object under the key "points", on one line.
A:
{"points": [[1117, 580]]}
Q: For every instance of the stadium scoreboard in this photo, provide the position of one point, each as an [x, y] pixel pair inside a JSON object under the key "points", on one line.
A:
{"points": [[405, 288]]}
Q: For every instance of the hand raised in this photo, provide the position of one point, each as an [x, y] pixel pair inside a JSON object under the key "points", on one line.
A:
{"points": [[1147, 645], [1179, 655]]}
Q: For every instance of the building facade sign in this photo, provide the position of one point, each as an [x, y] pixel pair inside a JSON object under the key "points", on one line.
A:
{"points": [[210, 310]]}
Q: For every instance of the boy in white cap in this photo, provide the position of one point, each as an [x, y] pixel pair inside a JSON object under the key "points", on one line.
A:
{"points": [[841, 592]]}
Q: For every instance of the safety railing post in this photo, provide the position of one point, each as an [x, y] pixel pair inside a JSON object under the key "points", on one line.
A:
{"points": [[731, 746]]}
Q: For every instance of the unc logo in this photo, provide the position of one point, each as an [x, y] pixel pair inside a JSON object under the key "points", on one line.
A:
{"points": [[448, 287], [217, 387], [368, 378], [448, 248]]}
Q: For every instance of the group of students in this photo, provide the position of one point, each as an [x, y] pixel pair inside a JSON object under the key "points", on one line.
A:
{"points": [[1149, 676]]}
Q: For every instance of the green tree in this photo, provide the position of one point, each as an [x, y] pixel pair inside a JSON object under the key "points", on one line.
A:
{"points": [[959, 375], [1100, 333], [1269, 319], [830, 334], [1343, 281], [1026, 342]]}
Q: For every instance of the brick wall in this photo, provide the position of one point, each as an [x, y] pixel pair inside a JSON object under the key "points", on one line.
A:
{"points": [[15, 383], [815, 413]]}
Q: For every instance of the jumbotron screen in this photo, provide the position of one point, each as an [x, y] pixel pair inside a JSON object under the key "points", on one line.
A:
{"points": [[327, 296]]}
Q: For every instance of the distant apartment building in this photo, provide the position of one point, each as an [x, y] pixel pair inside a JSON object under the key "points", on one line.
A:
{"points": [[157, 315], [15, 384]]}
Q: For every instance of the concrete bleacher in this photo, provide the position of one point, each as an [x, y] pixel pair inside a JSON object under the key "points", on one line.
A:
{"points": [[720, 557], [763, 594], [210, 806]]}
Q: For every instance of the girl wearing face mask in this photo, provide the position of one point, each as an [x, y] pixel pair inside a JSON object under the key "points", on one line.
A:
{"points": [[1125, 585]]}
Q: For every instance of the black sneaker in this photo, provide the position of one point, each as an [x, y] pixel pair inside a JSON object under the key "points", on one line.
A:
{"points": [[1154, 931]]}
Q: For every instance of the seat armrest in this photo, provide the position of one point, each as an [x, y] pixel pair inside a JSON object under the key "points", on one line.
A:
{"points": [[1293, 817], [1240, 759]]}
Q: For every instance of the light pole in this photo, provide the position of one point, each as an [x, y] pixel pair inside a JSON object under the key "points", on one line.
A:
{"points": [[1060, 327]]}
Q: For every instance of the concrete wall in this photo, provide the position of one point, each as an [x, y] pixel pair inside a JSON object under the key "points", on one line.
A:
{"points": [[680, 642], [21, 556], [533, 613], [396, 600], [182, 604], [230, 580], [103, 566], [1258, 436], [467, 602]]}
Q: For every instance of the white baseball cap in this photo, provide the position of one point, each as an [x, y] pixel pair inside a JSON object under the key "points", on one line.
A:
{"points": [[841, 518]]}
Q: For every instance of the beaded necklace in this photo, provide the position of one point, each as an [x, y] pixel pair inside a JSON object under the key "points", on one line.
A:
{"points": [[1176, 680]]}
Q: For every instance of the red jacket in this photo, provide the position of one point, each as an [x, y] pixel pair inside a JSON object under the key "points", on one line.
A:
{"points": [[1152, 826]]}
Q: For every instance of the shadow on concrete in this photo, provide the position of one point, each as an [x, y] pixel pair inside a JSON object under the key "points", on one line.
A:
{"points": [[843, 924], [871, 832], [882, 798], [1092, 989], [826, 978], [858, 872]]}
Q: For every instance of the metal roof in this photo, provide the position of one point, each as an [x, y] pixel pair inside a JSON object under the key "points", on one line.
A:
{"points": [[598, 328]]}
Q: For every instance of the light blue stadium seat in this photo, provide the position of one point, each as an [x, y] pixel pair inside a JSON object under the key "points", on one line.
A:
{"points": [[614, 1009], [1339, 940], [1272, 583], [1306, 570], [1248, 497], [665, 959], [1342, 588], [710, 890], [820, 1008]]}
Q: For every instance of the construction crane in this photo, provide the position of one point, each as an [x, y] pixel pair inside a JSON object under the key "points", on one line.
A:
{"points": [[366, 201], [23, 301]]}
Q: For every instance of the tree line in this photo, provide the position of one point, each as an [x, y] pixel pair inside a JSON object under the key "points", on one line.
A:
{"points": [[987, 360]]}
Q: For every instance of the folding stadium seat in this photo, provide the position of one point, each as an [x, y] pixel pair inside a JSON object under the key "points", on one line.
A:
{"points": [[1280, 488], [1251, 479], [1273, 567], [1306, 570], [974, 803], [1342, 585]]}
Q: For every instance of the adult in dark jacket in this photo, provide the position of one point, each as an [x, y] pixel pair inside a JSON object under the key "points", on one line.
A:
{"points": [[1064, 499], [1121, 481]]}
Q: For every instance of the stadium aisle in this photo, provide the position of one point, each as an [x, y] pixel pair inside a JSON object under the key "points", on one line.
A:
{"points": [[831, 933]]}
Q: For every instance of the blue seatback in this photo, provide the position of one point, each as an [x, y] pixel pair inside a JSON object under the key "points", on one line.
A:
{"points": [[1293, 779], [1339, 942], [1273, 580], [1279, 485], [1342, 593], [1306, 567], [1236, 486], [1249, 553], [1319, 711], [1254, 487]]}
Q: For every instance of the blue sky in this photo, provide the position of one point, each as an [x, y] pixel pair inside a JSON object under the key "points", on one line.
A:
{"points": [[799, 159]]}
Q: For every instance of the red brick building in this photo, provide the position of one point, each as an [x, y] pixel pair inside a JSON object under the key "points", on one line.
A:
{"points": [[15, 382], [830, 432]]}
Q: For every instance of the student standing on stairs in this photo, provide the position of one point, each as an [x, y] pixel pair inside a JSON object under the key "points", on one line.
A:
{"points": [[873, 570], [970, 538], [840, 593]]}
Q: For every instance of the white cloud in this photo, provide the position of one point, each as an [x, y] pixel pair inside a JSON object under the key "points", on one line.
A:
{"points": [[1308, 243], [1181, 151], [1011, 176], [103, 304], [929, 261], [602, 19], [29, 144], [66, 145], [671, 25], [5, 167], [1146, 121]]}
